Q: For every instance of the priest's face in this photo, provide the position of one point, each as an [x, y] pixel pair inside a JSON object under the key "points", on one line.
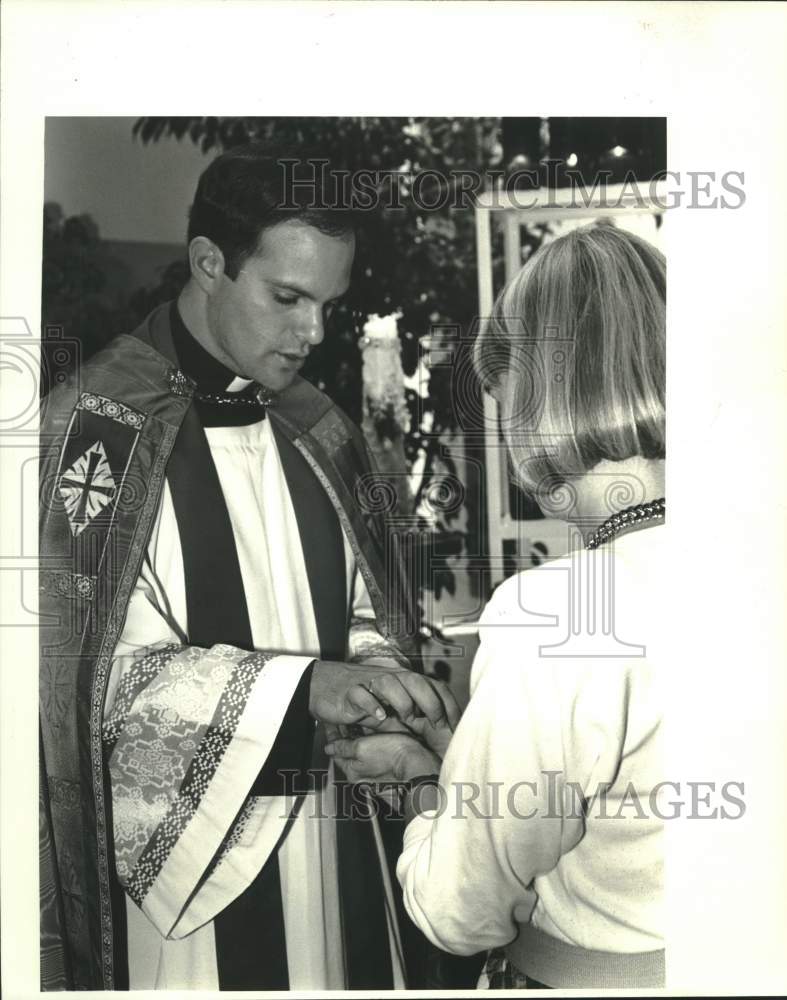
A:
{"points": [[265, 323]]}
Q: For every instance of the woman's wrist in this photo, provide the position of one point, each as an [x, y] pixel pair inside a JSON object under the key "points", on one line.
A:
{"points": [[417, 761]]}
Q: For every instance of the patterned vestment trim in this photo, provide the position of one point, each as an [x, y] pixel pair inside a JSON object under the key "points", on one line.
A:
{"points": [[127, 582], [61, 583], [134, 680], [201, 771], [103, 406]]}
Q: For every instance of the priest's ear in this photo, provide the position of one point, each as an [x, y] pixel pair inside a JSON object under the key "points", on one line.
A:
{"points": [[207, 264]]}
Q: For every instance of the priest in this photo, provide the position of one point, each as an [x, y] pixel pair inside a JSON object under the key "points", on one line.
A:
{"points": [[214, 596]]}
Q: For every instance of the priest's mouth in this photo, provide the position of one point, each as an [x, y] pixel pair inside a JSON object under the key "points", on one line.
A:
{"points": [[293, 359]]}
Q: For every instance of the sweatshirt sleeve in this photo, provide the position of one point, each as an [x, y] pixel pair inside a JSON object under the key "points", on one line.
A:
{"points": [[505, 814]]}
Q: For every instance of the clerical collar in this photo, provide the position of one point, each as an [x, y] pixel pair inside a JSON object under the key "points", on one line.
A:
{"points": [[211, 376]]}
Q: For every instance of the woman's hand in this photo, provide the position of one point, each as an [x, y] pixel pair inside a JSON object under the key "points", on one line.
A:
{"points": [[434, 737], [437, 739], [383, 757]]}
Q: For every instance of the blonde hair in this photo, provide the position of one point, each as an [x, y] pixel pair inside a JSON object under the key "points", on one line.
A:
{"points": [[575, 352]]}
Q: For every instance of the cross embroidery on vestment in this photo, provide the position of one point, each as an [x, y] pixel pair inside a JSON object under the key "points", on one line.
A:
{"points": [[87, 487]]}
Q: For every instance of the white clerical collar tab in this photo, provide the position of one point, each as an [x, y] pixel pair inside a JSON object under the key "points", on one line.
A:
{"points": [[238, 384]]}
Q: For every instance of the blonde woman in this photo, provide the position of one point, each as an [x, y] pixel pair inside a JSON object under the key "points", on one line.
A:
{"points": [[537, 831]]}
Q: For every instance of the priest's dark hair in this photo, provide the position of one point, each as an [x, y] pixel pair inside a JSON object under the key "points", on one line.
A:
{"points": [[251, 188]]}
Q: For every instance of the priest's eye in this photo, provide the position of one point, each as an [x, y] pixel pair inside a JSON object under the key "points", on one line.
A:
{"points": [[331, 307], [285, 300]]}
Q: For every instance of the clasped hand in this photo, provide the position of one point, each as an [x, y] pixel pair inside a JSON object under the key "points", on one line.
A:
{"points": [[396, 709]]}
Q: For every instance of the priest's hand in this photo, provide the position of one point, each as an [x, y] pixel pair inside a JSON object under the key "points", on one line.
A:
{"points": [[383, 757], [436, 738], [347, 693]]}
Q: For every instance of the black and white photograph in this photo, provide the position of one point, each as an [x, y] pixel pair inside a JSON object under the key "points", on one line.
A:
{"points": [[356, 645]]}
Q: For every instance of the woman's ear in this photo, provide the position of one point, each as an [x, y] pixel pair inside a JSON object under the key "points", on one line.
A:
{"points": [[207, 264]]}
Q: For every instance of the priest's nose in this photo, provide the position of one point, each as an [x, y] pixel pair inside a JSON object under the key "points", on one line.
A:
{"points": [[313, 330]]}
